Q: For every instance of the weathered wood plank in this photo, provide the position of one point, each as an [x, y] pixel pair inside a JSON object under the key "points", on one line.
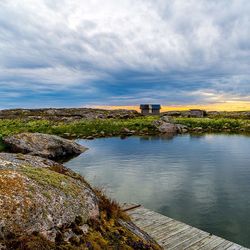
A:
{"points": [[151, 222], [163, 236], [175, 235], [224, 245], [235, 247], [191, 240], [214, 242], [180, 239]]}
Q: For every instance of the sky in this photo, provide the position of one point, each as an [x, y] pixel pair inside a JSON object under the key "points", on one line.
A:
{"points": [[73, 53]]}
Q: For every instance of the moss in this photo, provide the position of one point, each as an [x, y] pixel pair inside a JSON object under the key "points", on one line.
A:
{"points": [[46, 177], [47, 195], [30, 242]]}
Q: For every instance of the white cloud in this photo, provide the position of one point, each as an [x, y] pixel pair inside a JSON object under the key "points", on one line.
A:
{"points": [[74, 42]]}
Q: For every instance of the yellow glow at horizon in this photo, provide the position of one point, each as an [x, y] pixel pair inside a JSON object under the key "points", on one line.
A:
{"points": [[226, 106]]}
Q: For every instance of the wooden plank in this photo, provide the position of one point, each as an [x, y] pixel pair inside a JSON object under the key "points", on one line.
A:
{"points": [[129, 206], [162, 236], [235, 247], [157, 225], [191, 240], [166, 229], [175, 235], [180, 238], [224, 245], [152, 221], [214, 242]]}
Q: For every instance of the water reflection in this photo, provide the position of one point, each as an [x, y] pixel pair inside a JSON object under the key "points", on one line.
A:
{"points": [[201, 180]]}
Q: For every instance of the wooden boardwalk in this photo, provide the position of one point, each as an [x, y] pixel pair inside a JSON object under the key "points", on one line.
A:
{"points": [[172, 234]]}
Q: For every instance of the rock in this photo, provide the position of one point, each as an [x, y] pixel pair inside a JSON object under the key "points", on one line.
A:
{"points": [[168, 128], [166, 125], [173, 113], [127, 132], [198, 113], [198, 129], [67, 114], [167, 118], [36, 196], [67, 135], [90, 138], [182, 128], [44, 145]]}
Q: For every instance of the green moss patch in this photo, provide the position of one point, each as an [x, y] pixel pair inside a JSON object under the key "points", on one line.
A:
{"points": [[46, 177]]}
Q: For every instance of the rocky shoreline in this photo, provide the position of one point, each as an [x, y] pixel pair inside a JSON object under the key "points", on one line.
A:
{"points": [[45, 205]]}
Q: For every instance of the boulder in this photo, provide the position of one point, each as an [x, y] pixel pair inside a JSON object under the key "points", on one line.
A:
{"points": [[128, 132], [166, 126], [39, 195], [182, 129], [167, 118], [44, 145]]}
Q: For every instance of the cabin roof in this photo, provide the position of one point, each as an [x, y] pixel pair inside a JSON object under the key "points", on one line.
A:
{"points": [[150, 106]]}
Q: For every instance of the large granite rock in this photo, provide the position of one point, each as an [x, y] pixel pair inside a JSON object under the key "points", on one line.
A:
{"points": [[44, 145], [166, 125], [44, 205], [39, 195]]}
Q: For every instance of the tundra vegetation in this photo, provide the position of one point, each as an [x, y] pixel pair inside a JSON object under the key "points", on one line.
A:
{"points": [[116, 127]]}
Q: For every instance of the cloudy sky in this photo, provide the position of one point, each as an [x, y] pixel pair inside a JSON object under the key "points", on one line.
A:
{"points": [[123, 52]]}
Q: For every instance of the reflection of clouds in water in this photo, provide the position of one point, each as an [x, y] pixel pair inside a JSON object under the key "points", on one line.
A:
{"points": [[203, 180]]}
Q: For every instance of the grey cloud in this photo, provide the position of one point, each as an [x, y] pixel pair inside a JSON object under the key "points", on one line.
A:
{"points": [[188, 45]]}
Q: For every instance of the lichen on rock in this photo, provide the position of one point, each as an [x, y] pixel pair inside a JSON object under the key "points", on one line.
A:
{"points": [[38, 199], [44, 205]]}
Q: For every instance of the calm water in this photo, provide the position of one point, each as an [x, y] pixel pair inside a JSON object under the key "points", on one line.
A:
{"points": [[201, 180]]}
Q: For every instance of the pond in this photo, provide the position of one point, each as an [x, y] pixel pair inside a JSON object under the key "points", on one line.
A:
{"points": [[201, 180]]}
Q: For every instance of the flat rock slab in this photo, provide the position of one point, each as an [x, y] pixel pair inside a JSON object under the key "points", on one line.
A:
{"points": [[37, 197], [44, 145]]}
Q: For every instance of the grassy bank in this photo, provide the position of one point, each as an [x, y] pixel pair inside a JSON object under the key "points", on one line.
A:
{"points": [[116, 127], [81, 128], [215, 124]]}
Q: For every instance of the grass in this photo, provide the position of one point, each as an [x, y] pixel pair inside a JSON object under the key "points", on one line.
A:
{"points": [[79, 128], [216, 124], [115, 127]]}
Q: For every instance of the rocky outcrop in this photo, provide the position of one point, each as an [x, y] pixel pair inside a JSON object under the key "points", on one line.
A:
{"points": [[44, 205], [44, 145], [195, 113], [34, 197], [166, 126], [67, 114]]}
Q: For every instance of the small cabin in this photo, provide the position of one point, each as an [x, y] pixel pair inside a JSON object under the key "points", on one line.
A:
{"points": [[197, 113], [150, 109]]}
